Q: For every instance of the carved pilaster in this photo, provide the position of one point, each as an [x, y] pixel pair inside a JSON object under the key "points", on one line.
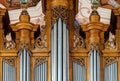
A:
{"points": [[24, 31], [2, 13], [94, 31]]}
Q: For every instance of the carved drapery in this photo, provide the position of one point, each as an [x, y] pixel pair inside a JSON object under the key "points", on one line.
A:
{"points": [[109, 60], [9, 60], [79, 60], [59, 12], [39, 60]]}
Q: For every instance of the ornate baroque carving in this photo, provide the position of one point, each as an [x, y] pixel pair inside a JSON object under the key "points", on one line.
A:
{"points": [[9, 60], [111, 42], [79, 60], [40, 60], [9, 43], [59, 12], [78, 41], [110, 60], [94, 45], [41, 41]]}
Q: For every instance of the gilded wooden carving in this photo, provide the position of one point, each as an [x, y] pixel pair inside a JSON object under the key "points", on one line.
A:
{"points": [[79, 60], [9, 60], [111, 42], [109, 60], [59, 12], [39, 60]]}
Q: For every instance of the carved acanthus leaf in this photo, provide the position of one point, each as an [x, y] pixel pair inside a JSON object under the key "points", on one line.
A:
{"points": [[40, 60], [9, 60], [79, 60], [110, 60]]}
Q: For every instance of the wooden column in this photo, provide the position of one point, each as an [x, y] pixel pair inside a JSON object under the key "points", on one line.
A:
{"points": [[1, 69], [32, 63], [2, 13], [94, 38], [88, 68], [117, 13]]}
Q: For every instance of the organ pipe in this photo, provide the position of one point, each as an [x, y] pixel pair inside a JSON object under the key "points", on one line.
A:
{"points": [[110, 72], [41, 72], [94, 66], [60, 51], [24, 65], [9, 72]]}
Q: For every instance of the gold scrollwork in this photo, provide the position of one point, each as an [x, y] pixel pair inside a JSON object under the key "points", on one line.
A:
{"points": [[79, 60], [40, 60], [110, 60], [41, 42]]}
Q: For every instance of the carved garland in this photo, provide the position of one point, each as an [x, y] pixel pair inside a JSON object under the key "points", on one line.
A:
{"points": [[9, 60], [39, 60], [110, 60], [79, 60], [59, 12]]}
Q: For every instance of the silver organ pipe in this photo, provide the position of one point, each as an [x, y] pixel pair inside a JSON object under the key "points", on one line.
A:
{"points": [[60, 51], [40, 72], [110, 72], [24, 65], [94, 66], [9, 72], [79, 72]]}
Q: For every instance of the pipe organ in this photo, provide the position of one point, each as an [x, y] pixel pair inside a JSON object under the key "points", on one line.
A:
{"points": [[60, 51]]}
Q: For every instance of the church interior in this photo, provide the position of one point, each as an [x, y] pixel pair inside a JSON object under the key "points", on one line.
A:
{"points": [[59, 40]]}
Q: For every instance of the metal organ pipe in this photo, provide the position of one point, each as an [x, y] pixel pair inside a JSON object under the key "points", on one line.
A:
{"points": [[24, 65], [94, 66], [40, 72], [79, 73], [8, 72], [59, 51], [110, 72]]}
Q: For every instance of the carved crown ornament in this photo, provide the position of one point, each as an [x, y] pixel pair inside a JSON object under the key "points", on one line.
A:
{"points": [[39, 60], [59, 12], [109, 60], [79, 60]]}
